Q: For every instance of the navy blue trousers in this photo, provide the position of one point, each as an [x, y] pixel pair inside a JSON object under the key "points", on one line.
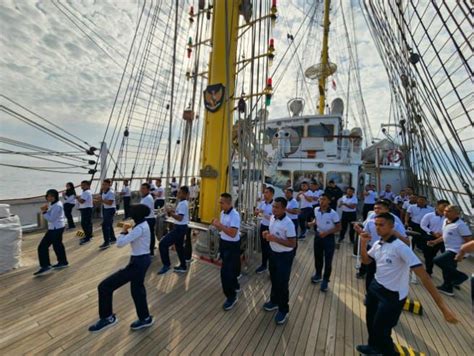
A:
{"points": [[174, 237], [230, 255], [108, 225], [305, 216], [134, 273], [151, 224], [449, 266], [126, 207], [383, 309], [86, 222], [68, 213], [323, 254], [280, 271], [55, 238], [265, 245]]}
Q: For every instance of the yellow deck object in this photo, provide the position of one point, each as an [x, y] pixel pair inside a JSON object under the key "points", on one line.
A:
{"points": [[413, 306], [80, 233], [407, 351]]}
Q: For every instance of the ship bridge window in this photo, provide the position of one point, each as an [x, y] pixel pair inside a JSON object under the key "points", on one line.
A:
{"points": [[269, 133], [321, 130], [342, 179], [279, 179], [300, 176], [299, 130]]}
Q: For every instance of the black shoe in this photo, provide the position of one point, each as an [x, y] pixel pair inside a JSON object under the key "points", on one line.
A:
{"points": [[360, 275], [461, 280], [103, 324], [180, 269], [42, 271], [60, 265], [367, 350], [113, 241], [229, 304], [104, 246], [84, 241], [141, 324], [446, 290]]}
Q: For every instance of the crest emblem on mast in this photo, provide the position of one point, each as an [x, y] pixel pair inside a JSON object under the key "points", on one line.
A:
{"points": [[214, 97]]}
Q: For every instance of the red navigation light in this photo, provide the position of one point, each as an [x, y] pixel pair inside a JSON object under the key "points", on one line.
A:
{"points": [[269, 82]]}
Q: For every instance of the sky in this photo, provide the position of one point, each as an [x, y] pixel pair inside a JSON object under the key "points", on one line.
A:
{"points": [[52, 68]]}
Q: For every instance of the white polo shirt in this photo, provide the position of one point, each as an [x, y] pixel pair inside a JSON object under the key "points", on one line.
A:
{"points": [[266, 209], [407, 204], [416, 212], [283, 229], [69, 199], [55, 216], [193, 191], [316, 194], [149, 202], [109, 195], [230, 219], [292, 204], [159, 190], [394, 259], [87, 196], [183, 209], [400, 200], [126, 191], [346, 200], [369, 226], [138, 238], [432, 223], [387, 195], [454, 233], [303, 202], [327, 220], [370, 198], [152, 187]]}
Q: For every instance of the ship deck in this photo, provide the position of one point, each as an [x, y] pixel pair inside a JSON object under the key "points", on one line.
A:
{"points": [[50, 314]]}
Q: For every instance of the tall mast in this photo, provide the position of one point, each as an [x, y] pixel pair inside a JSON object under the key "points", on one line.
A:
{"points": [[216, 167], [324, 59]]}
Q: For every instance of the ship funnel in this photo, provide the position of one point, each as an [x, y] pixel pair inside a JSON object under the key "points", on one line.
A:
{"points": [[337, 107], [296, 106]]}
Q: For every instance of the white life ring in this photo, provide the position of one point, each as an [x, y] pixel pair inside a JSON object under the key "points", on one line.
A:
{"points": [[394, 156]]}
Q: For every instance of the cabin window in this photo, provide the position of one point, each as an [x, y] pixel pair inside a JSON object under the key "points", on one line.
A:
{"points": [[342, 179], [299, 130], [279, 179], [300, 176], [269, 133], [321, 130]]}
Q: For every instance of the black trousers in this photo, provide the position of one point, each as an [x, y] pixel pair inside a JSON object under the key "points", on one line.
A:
{"points": [[151, 224], [159, 203], [365, 210], [383, 309], [126, 207], [134, 273], [323, 254], [174, 237], [305, 216], [417, 240], [265, 245], [55, 238], [370, 270], [296, 223], [108, 225], [230, 255], [86, 222], [449, 266], [188, 245], [346, 222], [68, 213], [430, 253], [280, 271]]}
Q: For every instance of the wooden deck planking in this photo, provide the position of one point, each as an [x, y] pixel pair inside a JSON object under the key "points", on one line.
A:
{"points": [[50, 315]]}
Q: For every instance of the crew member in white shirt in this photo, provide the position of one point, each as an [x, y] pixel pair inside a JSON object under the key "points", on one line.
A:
{"points": [[229, 248], [292, 210], [53, 213], [174, 187], [159, 195], [282, 238], [412, 199], [176, 236], [85, 208], [348, 205], [305, 197], [389, 289], [398, 201], [134, 272], [413, 219], [432, 226], [126, 195], [387, 193], [265, 211], [369, 200], [327, 223], [455, 234], [147, 200], [107, 199], [69, 196], [316, 192]]}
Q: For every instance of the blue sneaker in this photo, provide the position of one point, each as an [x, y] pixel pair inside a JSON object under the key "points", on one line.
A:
{"points": [[260, 269], [229, 304], [103, 324], [164, 269], [180, 269], [324, 286], [280, 318], [141, 324], [269, 306], [316, 279], [237, 290]]}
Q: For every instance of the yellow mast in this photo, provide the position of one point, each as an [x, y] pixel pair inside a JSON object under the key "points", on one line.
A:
{"points": [[216, 167], [324, 59]]}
